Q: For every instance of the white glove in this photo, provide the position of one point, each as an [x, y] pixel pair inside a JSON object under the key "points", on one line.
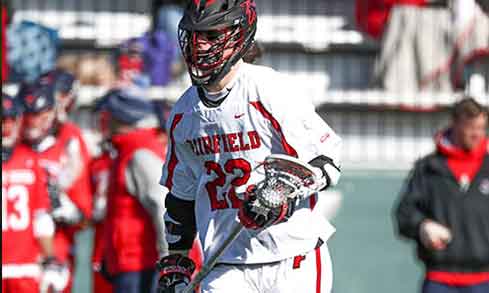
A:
{"points": [[55, 276], [67, 212], [434, 235]]}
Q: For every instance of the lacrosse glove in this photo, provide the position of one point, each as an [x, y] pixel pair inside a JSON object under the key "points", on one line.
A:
{"points": [[55, 275], [253, 215], [175, 273]]}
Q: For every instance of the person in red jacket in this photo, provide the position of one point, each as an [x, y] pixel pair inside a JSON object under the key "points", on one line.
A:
{"points": [[134, 230], [27, 227], [64, 157]]}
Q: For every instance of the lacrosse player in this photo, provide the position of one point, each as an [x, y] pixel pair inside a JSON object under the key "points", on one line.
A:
{"points": [[28, 262], [64, 156], [233, 116]]}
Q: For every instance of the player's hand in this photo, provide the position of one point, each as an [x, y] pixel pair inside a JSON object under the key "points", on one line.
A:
{"points": [[434, 235], [67, 212], [251, 214], [55, 275], [175, 273]]}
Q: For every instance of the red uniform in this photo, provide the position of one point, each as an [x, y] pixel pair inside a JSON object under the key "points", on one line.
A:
{"points": [[24, 194], [99, 173], [67, 162], [130, 235]]}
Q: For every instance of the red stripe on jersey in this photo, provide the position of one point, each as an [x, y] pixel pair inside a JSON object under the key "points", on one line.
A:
{"points": [[287, 147], [173, 158], [318, 270], [312, 200]]}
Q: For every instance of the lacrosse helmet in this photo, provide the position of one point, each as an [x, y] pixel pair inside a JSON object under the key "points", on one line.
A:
{"points": [[65, 87], [40, 112], [214, 35]]}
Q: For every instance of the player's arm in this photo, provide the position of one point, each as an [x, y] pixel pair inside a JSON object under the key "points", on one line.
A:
{"points": [[142, 183], [54, 274], [44, 230], [413, 202], [176, 269]]}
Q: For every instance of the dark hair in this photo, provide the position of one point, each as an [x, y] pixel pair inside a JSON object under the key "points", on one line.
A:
{"points": [[254, 53], [469, 108]]}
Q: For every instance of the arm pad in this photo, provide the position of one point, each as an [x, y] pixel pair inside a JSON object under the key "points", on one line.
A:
{"points": [[179, 223]]}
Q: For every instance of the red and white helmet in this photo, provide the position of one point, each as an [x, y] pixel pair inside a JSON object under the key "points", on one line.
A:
{"points": [[214, 35]]}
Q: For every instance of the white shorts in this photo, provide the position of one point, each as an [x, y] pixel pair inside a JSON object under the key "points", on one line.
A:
{"points": [[310, 273]]}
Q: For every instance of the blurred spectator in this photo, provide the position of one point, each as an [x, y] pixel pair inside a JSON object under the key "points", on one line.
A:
{"points": [[95, 70], [417, 47], [32, 50], [134, 228], [151, 55], [65, 87], [373, 15], [64, 156], [100, 177], [162, 110], [444, 205], [471, 37], [167, 15], [433, 45], [27, 227]]}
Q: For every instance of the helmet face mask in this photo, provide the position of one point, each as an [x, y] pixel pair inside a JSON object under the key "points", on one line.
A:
{"points": [[214, 35], [38, 125]]}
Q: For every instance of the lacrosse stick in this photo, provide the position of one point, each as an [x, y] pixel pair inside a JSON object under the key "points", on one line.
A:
{"points": [[285, 178]]}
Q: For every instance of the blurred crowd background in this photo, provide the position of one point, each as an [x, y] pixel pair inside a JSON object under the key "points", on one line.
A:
{"points": [[382, 73]]}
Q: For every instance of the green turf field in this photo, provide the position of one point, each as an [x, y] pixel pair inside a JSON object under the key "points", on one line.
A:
{"points": [[367, 257]]}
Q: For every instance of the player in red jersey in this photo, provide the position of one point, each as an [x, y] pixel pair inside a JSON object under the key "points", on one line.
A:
{"points": [[27, 227], [64, 156]]}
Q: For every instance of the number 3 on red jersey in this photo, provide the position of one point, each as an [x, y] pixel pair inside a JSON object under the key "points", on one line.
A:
{"points": [[239, 170], [19, 217]]}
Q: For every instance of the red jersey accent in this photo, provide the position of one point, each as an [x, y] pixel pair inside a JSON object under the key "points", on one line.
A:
{"points": [[267, 115], [130, 236], [173, 159], [24, 193]]}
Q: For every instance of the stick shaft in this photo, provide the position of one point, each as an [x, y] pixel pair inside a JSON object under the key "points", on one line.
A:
{"points": [[209, 265]]}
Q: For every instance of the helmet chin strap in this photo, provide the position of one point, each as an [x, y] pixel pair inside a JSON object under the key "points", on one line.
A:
{"points": [[215, 98]]}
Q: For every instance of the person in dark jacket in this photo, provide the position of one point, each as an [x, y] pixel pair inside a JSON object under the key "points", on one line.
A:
{"points": [[444, 205]]}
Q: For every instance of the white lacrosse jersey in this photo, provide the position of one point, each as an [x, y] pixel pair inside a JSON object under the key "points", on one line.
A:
{"points": [[212, 151]]}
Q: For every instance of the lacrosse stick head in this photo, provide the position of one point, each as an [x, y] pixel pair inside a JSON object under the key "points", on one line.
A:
{"points": [[285, 177]]}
